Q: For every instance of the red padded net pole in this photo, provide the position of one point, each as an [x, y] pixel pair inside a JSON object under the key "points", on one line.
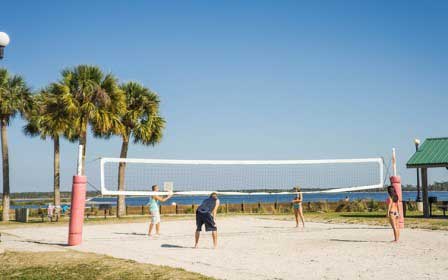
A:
{"points": [[77, 204]]}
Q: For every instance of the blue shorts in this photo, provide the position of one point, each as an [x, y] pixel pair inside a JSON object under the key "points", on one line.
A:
{"points": [[297, 205], [205, 219]]}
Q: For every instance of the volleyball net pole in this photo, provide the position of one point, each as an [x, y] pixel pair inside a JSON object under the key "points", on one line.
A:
{"points": [[78, 203], [395, 181]]}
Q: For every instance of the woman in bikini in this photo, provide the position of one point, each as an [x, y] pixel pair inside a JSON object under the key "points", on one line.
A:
{"points": [[297, 205], [393, 212]]}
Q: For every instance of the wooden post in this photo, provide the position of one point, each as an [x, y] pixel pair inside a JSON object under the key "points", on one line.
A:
{"points": [[259, 206], [227, 208], [276, 205], [143, 210], [426, 213], [242, 207], [127, 211], [192, 208], [177, 209]]}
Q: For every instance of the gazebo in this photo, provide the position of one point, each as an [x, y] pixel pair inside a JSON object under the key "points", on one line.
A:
{"points": [[433, 153]]}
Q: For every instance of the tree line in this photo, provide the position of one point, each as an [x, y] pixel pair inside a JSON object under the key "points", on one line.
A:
{"points": [[84, 97]]}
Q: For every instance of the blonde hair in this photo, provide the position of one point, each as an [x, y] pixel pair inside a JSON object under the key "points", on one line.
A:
{"points": [[298, 189]]}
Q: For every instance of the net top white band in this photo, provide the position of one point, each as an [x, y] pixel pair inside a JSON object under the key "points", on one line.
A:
{"points": [[237, 162]]}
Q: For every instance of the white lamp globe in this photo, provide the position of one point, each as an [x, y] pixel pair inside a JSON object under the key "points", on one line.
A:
{"points": [[417, 141], [4, 39]]}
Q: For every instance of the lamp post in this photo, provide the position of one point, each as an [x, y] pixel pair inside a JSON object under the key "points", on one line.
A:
{"points": [[4, 41], [419, 198]]}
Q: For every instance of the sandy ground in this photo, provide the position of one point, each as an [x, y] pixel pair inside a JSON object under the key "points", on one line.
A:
{"points": [[257, 248]]}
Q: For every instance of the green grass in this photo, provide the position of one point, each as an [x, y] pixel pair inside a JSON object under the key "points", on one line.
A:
{"points": [[412, 220], [80, 266]]}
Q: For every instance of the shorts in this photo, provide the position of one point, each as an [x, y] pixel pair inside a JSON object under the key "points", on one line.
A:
{"points": [[297, 205], [205, 219], [155, 217]]}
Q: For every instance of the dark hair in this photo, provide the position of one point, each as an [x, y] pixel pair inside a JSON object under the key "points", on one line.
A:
{"points": [[213, 194], [392, 193], [154, 187]]}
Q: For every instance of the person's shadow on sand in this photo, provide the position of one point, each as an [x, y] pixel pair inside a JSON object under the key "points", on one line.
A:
{"points": [[175, 246], [44, 243], [359, 241], [131, 233]]}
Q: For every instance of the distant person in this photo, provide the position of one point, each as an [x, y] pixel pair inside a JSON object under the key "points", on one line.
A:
{"points": [[393, 212], [50, 211], [57, 212], [64, 209], [206, 215], [297, 205], [347, 199], [154, 209]]}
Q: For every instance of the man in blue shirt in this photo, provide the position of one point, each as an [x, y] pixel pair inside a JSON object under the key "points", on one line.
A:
{"points": [[205, 215]]}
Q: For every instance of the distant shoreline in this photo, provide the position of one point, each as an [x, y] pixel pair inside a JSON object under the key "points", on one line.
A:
{"points": [[230, 199], [24, 199]]}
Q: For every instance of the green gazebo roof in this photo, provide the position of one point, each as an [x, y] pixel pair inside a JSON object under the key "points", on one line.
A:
{"points": [[432, 153]]}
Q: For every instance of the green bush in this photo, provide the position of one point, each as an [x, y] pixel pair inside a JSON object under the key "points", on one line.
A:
{"points": [[373, 205], [412, 206], [319, 206], [189, 210], [221, 209], [352, 206]]}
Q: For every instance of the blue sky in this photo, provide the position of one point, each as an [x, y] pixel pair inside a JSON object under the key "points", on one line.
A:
{"points": [[244, 79]]}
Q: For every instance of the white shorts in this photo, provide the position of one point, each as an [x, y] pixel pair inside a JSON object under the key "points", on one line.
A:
{"points": [[155, 217]]}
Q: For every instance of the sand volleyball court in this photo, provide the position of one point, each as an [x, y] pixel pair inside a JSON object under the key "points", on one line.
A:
{"points": [[258, 248]]}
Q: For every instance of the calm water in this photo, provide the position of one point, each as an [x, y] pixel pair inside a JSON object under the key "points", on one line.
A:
{"points": [[188, 200]]}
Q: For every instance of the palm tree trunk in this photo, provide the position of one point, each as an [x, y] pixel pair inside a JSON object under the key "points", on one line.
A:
{"points": [[56, 177], [5, 164], [83, 142], [121, 203]]}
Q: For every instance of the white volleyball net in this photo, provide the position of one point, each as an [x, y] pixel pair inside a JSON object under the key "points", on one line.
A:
{"points": [[233, 177]]}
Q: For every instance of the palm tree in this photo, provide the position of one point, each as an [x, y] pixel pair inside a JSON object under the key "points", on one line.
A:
{"points": [[15, 97], [95, 99], [142, 121], [50, 118]]}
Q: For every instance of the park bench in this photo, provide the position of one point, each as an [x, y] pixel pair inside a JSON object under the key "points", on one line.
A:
{"points": [[93, 211], [42, 213], [443, 206], [90, 211]]}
